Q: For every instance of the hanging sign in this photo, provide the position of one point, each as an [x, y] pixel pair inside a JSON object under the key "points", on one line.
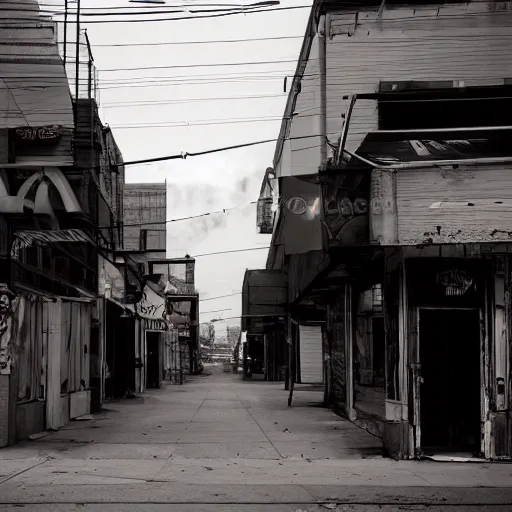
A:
{"points": [[44, 133], [455, 282]]}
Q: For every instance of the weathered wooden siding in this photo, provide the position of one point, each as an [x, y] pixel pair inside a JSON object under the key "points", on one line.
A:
{"points": [[301, 153], [469, 204], [466, 42]]}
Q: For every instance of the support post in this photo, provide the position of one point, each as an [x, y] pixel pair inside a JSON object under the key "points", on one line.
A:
{"points": [[53, 420]]}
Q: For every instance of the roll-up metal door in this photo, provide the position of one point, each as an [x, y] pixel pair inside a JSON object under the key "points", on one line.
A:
{"points": [[311, 357]]}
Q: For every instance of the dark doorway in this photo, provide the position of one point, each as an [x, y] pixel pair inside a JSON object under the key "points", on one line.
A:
{"points": [[95, 368], [378, 352], [153, 360], [450, 391]]}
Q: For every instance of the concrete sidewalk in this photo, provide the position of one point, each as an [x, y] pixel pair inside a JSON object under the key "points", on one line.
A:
{"points": [[218, 439]]}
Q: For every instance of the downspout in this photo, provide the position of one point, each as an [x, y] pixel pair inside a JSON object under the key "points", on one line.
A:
{"points": [[322, 61]]}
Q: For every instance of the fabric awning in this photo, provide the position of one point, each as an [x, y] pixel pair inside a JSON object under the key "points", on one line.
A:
{"points": [[24, 239]]}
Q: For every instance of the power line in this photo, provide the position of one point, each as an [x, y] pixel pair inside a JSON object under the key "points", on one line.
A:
{"points": [[190, 100], [214, 41], [207, 65], [230, 252], [138, 11], [181, 8], [134, 7], [155, 103], [185, 155], [163, 222], [191, 124], [250, 10], [214, 311], [220, 296], [224, 319]]}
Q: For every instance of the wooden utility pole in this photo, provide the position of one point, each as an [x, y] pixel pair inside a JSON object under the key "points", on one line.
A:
{"points": [[65, 31], [77, 54]]}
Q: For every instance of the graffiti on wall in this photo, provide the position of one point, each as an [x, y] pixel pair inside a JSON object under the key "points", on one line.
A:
{"points": [[6, 318], [345, 204]]}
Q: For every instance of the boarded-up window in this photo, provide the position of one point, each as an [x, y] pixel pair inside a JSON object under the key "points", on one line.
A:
{"points": [[311, 356], [30, 356], [76, 324]]}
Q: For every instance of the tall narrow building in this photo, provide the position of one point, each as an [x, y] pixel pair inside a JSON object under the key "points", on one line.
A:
{"points": [[144, 202]]}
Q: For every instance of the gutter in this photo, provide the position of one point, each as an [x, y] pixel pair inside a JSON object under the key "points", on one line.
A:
{"points": [[431, 163]]}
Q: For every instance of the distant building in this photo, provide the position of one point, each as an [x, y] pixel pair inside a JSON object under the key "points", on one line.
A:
{"points": [[144, 202], [233, 333]]}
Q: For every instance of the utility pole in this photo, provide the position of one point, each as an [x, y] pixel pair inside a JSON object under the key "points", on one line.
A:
{"points": [[65, 31], [77, 63]]}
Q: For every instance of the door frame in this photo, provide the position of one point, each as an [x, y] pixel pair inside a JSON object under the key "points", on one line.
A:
{"points": [[417, 379], [160, 355]]}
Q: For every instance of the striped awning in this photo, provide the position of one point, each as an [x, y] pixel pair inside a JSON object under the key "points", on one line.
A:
{"points": [[24, 239]]}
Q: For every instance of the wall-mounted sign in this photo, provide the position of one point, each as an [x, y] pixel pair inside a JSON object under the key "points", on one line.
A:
{"points": [[151, 304], [455, 282], [301, 215], [43, 133], [345, 203]]}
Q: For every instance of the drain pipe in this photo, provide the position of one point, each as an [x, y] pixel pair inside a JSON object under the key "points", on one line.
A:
{"points": [[322, 62]]}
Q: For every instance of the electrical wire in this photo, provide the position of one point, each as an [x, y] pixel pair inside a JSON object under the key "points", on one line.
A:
{"points": [[184, 155], [181, 18], [138, 10], [215, 311], [230, 252], [206, 65], [191, 124], [213, 41], [162, 222], [220, 296], [134, 7]]}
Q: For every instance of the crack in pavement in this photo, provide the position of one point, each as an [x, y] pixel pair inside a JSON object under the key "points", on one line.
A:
{"points": [[256, 421], [14, 475]]}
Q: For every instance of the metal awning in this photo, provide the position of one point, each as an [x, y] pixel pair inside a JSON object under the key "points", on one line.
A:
{"points": [[436, 145], [24, 239]]}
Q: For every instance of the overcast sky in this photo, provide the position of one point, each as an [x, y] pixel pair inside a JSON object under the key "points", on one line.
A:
{"points": [[201, 184]]}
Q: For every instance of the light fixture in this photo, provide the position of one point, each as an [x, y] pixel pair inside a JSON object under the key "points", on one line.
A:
{"points": [[297, 205]]}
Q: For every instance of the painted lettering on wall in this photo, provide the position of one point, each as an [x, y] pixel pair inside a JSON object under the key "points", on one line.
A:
{"points": [[345, 204], [45, 133], [6, 314]]}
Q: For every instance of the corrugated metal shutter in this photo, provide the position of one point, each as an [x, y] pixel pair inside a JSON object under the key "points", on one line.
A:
{"points": [[311, 359]]}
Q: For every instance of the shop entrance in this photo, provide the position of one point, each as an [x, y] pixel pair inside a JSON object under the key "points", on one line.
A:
{"points": [[153, 359], [449, 394]]}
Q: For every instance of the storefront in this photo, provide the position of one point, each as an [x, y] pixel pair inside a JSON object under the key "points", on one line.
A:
{"points": [[153, 347], [447, 359]]}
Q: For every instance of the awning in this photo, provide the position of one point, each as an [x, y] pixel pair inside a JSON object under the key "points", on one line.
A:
{"points": [[301, 215], [24, 239], [418, 146], [49, 297], [124, 307]]}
